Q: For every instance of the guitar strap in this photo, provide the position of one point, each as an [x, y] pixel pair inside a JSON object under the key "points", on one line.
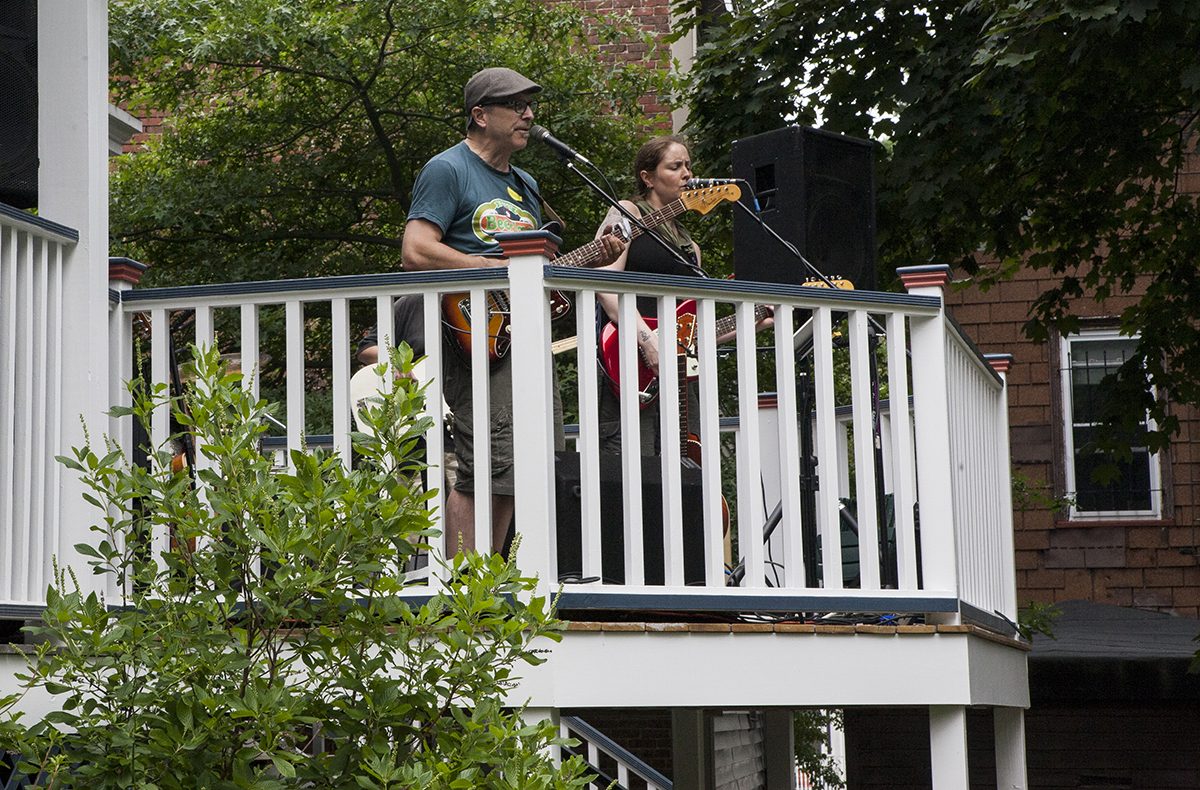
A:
{"points": [[529, 190]]}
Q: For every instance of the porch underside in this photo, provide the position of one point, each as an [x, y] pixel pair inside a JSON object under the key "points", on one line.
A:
{"points": [[763, 665]]}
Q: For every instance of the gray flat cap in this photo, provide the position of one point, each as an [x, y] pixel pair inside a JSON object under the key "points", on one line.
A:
{"points": [[495, 83]]}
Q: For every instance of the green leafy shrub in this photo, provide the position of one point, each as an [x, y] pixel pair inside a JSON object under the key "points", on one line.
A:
{"points": [[268, 645]]}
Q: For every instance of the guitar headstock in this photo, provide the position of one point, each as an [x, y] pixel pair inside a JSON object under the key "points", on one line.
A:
{"points": [[703, 199]]}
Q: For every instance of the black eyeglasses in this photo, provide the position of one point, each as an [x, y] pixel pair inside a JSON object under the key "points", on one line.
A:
{"points": [[516, 105]]}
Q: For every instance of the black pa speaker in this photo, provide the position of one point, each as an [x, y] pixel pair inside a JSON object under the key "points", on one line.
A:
{"points": [[18, 103], [612, 533], [817, 190]]}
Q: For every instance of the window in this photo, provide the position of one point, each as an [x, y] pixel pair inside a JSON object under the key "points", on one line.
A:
{"points": [[1135, 491]]}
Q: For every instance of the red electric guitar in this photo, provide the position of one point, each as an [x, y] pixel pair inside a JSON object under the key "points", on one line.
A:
{"points": [[456, 307]]}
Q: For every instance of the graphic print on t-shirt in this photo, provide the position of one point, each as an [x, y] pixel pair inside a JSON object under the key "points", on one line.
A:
{"points": [[500, 216]]}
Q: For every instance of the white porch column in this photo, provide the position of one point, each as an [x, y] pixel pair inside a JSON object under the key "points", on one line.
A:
{"points": [[533, 403], [779, 749], [939, 556], [948, 746], [1009, 727], [73, 191], [532, 716], [691, 747]]}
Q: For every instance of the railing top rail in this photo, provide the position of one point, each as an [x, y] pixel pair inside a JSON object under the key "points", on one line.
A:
{"points": [[666, 284], [973, 351], [39, 225], [269, 291]]}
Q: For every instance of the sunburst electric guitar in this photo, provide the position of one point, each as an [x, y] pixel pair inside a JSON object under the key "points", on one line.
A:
{"points": [[456, 307]]}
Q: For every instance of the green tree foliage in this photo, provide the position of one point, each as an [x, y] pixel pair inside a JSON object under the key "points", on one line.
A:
{"points": [[269, 648], [294, 128], [810, 730], [1029, 133]]}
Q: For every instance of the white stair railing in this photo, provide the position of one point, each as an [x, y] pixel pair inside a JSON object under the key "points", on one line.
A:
{"points": [[608, 759]]}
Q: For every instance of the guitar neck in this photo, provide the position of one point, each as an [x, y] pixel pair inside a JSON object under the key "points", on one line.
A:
{"points": [[592, 253], [729, 322]]}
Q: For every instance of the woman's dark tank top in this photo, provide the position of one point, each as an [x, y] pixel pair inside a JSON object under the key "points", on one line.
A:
{"points": [[648, 257]]}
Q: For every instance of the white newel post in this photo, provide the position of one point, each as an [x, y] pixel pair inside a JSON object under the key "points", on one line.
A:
{"points": [[123, 275], [73, 191], [533, 403], [1008, 576], [932, 430]]}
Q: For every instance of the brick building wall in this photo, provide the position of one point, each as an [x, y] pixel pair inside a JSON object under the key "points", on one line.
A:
{"points": [[652, 17], [1148, 745], [1152, 564]]}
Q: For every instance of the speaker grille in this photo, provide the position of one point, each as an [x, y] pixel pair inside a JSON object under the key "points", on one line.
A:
{"points": [[817, 191]]}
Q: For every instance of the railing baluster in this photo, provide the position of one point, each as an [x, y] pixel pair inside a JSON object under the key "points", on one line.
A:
{"points": [[294, 312], [339, 316], [205, 339], [588, 444], [435, 443], [54, 372], [631, 438], [8, 400], [749, 475], [710, 443], [24, 545], [204, 326], [672, 390], [903, 479], [864, 451], [251, 374], [828, 520], [481, 428], [385, 332], [790, 525]]}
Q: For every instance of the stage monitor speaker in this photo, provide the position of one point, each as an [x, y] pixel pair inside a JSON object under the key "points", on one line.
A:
{"points": [[817, 190], [18, 104], [612, 533]]}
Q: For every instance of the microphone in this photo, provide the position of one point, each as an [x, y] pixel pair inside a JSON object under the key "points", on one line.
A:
{"points": [[697, 183], [542, 134]]}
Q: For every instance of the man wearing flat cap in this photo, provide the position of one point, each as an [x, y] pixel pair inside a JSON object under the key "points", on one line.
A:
{"points": [[461, 198]]}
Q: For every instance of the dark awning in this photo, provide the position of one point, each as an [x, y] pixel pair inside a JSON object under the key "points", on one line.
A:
{"points": [[1104, 652]]}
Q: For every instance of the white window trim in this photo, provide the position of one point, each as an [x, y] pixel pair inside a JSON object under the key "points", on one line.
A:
{"points": [[1068, 424]]}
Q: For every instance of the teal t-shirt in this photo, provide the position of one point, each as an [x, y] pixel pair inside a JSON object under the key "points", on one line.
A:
{"points": [[470, 201]]}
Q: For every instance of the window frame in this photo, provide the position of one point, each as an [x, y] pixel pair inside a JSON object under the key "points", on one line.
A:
{"points": [[1069, 424]]}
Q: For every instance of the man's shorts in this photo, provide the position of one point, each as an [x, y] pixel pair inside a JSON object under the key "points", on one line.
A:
{"points": [[458, 396]]}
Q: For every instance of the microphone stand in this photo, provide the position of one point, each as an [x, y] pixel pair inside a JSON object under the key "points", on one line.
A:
{"points": [[804, 347]]}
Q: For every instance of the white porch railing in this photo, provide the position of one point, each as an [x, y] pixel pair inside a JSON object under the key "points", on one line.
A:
{"points": [[33, 254], [979, 458], [869, 342]]}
